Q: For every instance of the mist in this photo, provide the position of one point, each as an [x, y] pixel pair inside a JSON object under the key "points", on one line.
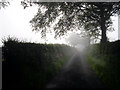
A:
{"points": [[29, 61], [80, 43]]}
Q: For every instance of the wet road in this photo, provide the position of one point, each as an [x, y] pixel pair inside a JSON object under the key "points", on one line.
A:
{"points": [[76, 73]]}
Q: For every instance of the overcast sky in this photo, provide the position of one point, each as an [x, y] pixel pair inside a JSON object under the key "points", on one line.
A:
{"points": [[14, 21]]}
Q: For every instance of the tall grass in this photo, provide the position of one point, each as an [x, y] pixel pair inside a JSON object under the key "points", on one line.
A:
{"points": [[105, 60], [30, 65]]}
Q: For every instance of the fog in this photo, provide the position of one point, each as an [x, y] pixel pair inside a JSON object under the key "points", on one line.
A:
{"points": [[14, 21], [80, 43]]}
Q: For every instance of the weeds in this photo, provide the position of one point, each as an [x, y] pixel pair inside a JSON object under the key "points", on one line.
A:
{"points": [[104, 59]]}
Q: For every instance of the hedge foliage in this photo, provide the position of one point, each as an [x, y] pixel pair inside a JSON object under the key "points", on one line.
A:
{"points": [[30, 65], [105, 60]]}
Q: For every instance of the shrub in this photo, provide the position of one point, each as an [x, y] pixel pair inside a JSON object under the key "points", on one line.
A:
{"points": [[30, 65], [104, 59]]}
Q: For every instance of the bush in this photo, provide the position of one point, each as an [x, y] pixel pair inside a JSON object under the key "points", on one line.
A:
{"points": [[30, 65], [104, 59]]}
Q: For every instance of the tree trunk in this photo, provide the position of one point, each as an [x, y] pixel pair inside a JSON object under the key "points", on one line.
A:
{"points": [[103, 27]]}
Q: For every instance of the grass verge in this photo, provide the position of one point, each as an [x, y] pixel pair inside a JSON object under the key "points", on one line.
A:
{"points": [[106, 65]]}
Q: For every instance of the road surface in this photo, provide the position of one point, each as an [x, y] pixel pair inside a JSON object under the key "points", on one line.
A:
{"points": [[76, 73]]}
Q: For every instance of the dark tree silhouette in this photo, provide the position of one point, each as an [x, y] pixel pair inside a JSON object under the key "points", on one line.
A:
{"points": [[4, 4], [93, 16]]}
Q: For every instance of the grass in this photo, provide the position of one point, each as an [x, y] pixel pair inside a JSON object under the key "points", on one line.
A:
{"points": [[106, 64]]}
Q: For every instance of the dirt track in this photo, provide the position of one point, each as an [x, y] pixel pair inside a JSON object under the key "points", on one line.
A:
{"points": [[76, 73]]}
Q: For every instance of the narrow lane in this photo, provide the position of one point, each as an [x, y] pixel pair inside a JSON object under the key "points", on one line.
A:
{"points": [[76, 73]]}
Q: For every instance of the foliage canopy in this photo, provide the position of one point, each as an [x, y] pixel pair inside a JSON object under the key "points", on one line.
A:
{"points": [[93, 16]]}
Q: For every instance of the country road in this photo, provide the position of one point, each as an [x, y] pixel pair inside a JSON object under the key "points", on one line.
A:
{"points": [[76, 73]]}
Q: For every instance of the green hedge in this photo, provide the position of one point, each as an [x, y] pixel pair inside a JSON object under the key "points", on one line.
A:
{"points": [[105, 60], [30, 65]]}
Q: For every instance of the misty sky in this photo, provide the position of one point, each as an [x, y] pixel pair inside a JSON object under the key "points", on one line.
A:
{"points": [[14, 21]]}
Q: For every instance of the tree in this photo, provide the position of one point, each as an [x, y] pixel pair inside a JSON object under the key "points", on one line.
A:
{"points": [[94, 17], [4, 3], [98, 17]]}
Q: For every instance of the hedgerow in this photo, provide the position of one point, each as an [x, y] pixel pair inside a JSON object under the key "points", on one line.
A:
{"points": [[30, 65]]}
